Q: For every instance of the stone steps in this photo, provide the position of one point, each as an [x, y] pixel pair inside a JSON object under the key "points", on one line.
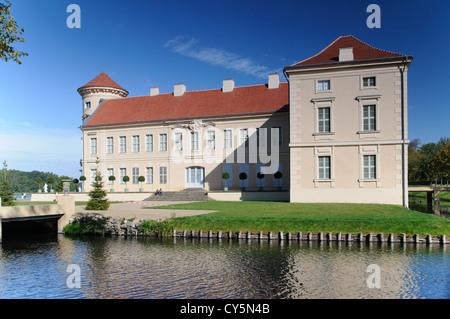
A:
{"points": [[189, 195]]}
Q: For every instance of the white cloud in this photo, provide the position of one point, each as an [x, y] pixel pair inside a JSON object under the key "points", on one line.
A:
{"points": [[188, 47]]}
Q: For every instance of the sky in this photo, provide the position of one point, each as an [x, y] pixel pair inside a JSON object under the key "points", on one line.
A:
{"points": [[142, 44]]}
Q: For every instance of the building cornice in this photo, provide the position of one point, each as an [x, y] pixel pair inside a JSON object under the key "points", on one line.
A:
{"points": [[93, 90], [176, 121], [347, 143], [348, 64]]}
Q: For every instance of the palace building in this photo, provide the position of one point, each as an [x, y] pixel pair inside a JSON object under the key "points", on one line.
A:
{"points": [[336, 131]]}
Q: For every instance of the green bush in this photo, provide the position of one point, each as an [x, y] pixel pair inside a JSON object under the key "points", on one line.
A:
{"points": [[86, 225], [157, 228]]}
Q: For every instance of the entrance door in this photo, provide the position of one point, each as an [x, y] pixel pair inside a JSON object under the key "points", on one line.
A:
{"points": [[195, 177]]}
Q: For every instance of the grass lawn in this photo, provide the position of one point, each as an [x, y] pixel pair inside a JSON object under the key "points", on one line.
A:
{"points": [[445, 195], [293, 217]]}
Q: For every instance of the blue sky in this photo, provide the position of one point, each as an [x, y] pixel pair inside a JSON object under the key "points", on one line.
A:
{"points": [[141, 44]]}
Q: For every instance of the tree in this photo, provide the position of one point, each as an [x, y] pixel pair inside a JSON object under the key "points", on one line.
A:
{"points": [[413, 160], [428, 162], [126, 179], [440, 163], [10, 33], [260, 176], [225, 176], [278, 175], [39, 180], [141, 179], [98, 200], [75, 182], [82, 180], [242, 177], [51, 181], [59, 184], [112, 178], [6, 194]]}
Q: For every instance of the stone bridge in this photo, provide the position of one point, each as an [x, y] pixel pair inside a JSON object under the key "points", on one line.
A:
{"points": [[61, 212], [433, 193]]}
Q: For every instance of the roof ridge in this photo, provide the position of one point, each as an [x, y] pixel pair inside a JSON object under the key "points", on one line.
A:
{"points": [[103, 80], [329, 45], [193, 91], [371, 46], [342, 37]]}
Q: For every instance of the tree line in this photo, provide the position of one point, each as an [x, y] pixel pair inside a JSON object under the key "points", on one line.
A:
{"points": [[32, 182], [429, 163]]}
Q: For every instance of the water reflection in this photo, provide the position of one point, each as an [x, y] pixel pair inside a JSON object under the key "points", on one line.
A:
{"points": [[118, 267], [420, 204]]}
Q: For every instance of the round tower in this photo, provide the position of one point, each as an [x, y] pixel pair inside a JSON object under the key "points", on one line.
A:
{"points": [[96, 91]]}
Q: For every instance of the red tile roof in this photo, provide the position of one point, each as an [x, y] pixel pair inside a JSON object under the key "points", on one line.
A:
{"points": [[102, 80], [257, 99], [361, 51]]}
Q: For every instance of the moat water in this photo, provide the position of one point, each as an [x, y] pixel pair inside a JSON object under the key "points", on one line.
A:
{"points": [[58, 266]]}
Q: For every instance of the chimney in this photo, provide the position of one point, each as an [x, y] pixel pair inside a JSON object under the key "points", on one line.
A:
{"points": [[274, 81], [228, 85], [346, 54], [154, 91], [179, 89]]}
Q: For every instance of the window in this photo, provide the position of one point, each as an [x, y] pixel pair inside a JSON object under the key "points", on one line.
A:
{"points": [[194, 141], [369, 82], [211, 140], [323, 85], [369, 168], [243, 134], [162, 142], [135, 143], [87, 105], [369, 118], [227, 139], [122, 144], [324, 120], [324, 167], [149, 143], [93, 146], [163, 175], [109, 145], [122, 174], [135, 175], [261, 137], [149, 175], [110, 172], [280, 136], [178, 141]]}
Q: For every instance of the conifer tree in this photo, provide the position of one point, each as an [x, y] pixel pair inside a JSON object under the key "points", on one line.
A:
{"points": [[6, 194], [98, 200]]}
